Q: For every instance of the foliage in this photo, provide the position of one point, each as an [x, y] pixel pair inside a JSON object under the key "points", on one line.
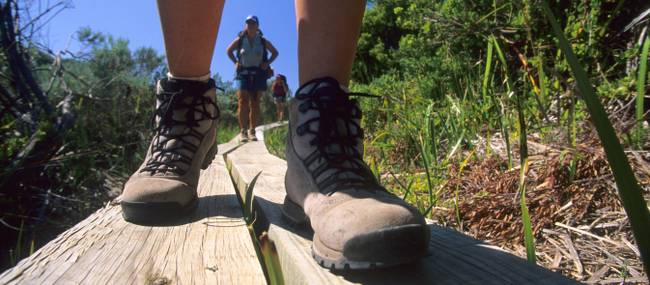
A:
{"points": [[275, 140], [112, 89], [628, 187], [483, 77]]}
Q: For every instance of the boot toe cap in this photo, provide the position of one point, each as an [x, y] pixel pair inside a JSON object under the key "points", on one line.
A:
{"points": [[370, 229], [157, 190]]}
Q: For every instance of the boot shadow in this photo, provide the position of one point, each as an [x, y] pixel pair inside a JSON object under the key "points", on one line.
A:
{"points": [[214, 211]]}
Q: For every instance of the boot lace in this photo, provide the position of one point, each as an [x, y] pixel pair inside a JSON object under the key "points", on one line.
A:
{"points": [[336, 139], [177, 158]]}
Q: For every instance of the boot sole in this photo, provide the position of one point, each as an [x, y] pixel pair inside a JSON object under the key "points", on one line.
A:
{"points": [[156, 213], [210, 156], [294, 214], [152, 213], [400, 245]]}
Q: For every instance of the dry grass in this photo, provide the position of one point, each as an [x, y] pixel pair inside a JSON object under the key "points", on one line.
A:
{"points": [[580, 227]]}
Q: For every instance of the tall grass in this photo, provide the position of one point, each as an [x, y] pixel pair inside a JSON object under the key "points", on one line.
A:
{"points": [[503, 111], [275, 140], [529, 241], [640, 90], [226, 132], [523, 156], [628, 187], [484, 88], [266, 252]]}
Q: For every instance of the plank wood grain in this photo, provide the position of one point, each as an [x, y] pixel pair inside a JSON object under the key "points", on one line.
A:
{"points": [[213, 246], [453, 258]]}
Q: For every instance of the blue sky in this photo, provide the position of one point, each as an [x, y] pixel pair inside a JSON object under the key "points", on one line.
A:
{"points": [[138, 22]]}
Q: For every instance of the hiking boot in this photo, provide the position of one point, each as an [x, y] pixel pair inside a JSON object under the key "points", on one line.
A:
{"points": [[357, 223], [251, 135], [164, 187], [243, 136]]}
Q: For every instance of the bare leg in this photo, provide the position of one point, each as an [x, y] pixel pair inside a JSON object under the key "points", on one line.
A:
{"points": [[327, 37], [243, 108], [164, 187], [255, 108], [190, 29], [281, 106]]}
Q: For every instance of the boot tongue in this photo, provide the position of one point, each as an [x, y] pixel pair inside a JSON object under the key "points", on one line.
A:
{"points": [[333, 124], [326, 113], [184, 112]]}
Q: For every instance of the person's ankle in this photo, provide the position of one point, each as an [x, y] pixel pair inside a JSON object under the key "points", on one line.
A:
{"points": [[317, 81], [202, 78]]}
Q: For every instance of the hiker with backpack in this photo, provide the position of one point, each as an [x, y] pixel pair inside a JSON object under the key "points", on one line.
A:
{"points": [[280, 90], [249, 52]]}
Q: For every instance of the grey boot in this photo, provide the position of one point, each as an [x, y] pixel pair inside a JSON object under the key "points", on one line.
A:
{"points": [[243, 136], [357, 223], [184, 142], [251, 135]]}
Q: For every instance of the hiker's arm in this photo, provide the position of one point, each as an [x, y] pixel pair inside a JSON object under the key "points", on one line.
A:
{"points": [[231, 49], [274, 52]]}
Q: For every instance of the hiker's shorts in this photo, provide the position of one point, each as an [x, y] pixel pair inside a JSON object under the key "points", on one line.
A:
{"points": [[279, 99], [251, 79]]}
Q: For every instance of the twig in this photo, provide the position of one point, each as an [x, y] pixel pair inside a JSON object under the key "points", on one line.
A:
{"points": [[574, 254], [598, 274], [557, 259], [8, 225], [588, 234], [631, 246]]}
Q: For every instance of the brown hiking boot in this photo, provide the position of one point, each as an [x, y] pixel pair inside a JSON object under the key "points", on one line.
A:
{"points": [[243, 136], [251, 135], [184, 142], [357, 223]]}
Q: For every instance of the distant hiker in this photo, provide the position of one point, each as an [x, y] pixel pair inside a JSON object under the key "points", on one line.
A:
{"points": [[280, 90], [249, 52], [357, 223]]}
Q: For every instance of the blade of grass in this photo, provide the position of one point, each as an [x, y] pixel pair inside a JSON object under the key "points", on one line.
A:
{"points": [[432, 135], [523, 154], [409, 187], [248, 201], [488, 68], [271, 260], [503, 111], [542, 81], [484, 90], [456, 198], [529, 241], [19, 241], [425, 160], [640, 90], [628, 188]]}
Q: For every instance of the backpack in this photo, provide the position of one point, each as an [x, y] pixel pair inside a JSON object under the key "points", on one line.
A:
{"points": [[278, 90], [240, 42]]}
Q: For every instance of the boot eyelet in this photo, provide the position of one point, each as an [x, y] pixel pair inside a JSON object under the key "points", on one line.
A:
{"points": [[303, 107], [301, 130]]}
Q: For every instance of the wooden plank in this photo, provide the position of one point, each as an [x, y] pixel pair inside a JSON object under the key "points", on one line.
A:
{"points": [[453, 257], [213, 246], [259, 131]]}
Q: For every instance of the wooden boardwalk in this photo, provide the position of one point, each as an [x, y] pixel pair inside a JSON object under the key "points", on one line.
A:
{"points": [[211, 247], [453, 258], [214, 246]]}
